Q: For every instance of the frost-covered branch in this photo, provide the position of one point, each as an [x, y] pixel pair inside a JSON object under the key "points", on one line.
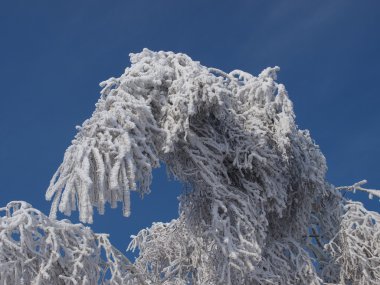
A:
{"points": [[355, 247], [37, 250], [358, 186]]}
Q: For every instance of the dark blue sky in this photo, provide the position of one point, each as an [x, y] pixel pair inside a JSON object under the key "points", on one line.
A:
{"points": [[53, 54]]}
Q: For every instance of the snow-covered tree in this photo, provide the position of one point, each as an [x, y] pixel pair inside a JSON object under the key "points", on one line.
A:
{"points": [[257, 209]]}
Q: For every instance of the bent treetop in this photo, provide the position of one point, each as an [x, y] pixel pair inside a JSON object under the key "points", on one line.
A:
{"points": [[258, 209]]}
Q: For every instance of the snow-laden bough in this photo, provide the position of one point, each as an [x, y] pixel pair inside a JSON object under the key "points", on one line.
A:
{"points": [[36, 250]]}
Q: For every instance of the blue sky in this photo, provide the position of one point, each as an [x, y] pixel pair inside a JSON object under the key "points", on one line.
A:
{"points": [[53, 54]]}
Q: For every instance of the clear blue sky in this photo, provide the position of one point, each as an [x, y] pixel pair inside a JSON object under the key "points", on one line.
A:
{"points": [[53, 54]]}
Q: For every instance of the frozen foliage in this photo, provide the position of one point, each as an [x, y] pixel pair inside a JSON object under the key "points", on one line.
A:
{"points": [[36, 250], [257, 209]]}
